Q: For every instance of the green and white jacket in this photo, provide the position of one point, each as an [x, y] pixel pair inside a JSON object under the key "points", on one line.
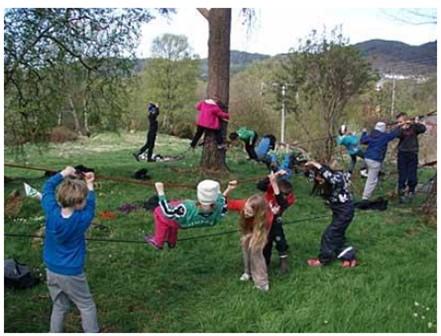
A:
{"points": [[188, 214]]}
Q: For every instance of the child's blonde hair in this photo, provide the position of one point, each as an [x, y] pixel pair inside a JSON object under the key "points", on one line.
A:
{"points": [[256, 228], [71, 192]]}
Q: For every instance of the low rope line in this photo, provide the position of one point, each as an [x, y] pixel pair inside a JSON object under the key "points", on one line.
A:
{"points": [[110, 178], [19, 235]]}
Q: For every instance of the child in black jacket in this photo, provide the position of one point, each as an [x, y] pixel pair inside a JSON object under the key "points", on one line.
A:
{"points": [[153, 113], [335, 189]]}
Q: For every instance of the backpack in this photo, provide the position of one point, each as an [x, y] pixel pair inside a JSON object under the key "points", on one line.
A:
{"points": [[18, 275]]}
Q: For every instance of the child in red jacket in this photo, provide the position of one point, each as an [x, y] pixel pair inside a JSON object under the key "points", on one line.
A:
{"points": [[278, 203], [208, 119]]}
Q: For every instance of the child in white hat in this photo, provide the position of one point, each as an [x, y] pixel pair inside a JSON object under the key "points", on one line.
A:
{"points": [[169, 217]]}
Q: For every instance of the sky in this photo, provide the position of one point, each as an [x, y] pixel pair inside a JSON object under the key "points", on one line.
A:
{"points": [[278, 29]]}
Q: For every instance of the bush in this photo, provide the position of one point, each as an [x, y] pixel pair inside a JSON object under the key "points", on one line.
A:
{"points": [[62, 134]]}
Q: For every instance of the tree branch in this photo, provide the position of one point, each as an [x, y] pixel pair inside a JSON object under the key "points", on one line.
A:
{"points": [[204, 12]]}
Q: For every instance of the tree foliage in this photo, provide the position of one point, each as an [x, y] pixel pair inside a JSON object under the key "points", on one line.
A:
{"points": [[60, 59], [170, 79], [323, 74]]}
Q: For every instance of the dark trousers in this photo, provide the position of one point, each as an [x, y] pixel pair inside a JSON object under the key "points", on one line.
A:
{"points": [[407, 170], [150, 143], [250, 148], [276, 235], [333, 239], [359, 154], [201, 130]]}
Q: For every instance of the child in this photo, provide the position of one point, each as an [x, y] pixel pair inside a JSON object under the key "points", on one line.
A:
{"points": [[351, 142], [208, 120], [69, 212], [335, 190], [265, 145], [169, 217], [407, 157], [249, 137], [153, 113], [374, 155], [278, 199], [255, 222]]}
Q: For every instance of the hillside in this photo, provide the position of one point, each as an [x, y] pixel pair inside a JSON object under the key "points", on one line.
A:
{"points": [[400, 58]]}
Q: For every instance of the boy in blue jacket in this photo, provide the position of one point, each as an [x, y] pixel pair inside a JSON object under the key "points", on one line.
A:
{"points": [[69, 211], [377, 142], [352, 144]]}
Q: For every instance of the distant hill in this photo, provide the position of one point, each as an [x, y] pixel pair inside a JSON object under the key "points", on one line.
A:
{"points": [[387, 57], [239, 60], [400, 58]]}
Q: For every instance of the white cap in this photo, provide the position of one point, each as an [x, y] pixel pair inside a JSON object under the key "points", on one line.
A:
{"points": [[343, 129], [380, 126], [208, 191]]}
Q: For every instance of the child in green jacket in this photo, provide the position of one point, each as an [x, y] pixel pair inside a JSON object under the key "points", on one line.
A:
{"points": [[169, 217]]}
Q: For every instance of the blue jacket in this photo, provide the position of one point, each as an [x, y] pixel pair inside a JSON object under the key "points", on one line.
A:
{"points": [[64, 249], [377, 143], [263, 148], [350, 142]]}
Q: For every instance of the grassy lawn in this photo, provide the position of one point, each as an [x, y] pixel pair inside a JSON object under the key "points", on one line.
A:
{"points": [[196, 287]]}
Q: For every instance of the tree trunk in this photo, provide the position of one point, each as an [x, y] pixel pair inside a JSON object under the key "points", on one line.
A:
{"points": [[75, 116], [219, 21]]}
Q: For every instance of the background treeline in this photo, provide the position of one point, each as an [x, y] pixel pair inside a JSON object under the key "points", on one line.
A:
{"points": [[70, 68]]}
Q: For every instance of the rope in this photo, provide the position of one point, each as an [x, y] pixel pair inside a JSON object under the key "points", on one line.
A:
{"points": [[109, 178], [19, 235]]}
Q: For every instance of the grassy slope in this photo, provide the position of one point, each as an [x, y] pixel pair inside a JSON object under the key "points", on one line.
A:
{"points": [[195, 288]]}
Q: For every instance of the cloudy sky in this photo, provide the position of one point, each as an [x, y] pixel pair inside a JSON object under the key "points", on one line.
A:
{"points": [[278, 29]]}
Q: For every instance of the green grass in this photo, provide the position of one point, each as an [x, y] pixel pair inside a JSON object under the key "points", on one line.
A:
{"points": [[196, 287]]}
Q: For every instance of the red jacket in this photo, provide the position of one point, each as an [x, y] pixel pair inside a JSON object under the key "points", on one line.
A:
{"points": [[209, 114]]}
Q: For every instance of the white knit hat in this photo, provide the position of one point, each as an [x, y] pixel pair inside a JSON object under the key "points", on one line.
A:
{"points": [[343, 129], [380, 126], [208, 191]]}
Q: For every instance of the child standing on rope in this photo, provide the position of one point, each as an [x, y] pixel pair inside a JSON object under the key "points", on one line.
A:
{"points": [[69, 211], [153, 113], [169, 217], [278, 199], [255, 222], [352, 144], [249, 137], [209, 118], [335, 189]]}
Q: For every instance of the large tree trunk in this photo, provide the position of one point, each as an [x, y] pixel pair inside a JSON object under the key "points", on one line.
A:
{"points": [[219, 21]]}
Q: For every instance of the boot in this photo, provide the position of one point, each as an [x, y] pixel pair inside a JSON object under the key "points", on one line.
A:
{"points": [[402, 196], [284, 267]]}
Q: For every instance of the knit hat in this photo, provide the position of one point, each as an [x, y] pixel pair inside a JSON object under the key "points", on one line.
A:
{"points": [[380, 126], [208, 190], [342, 129]]}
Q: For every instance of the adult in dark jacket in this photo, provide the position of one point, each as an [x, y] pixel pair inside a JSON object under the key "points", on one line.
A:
{"points": [[407, 158], [152, 112], [377, 142]]}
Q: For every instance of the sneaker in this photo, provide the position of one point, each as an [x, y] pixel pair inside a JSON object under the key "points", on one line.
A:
{"points": [[349, 263], [314, 262], [151, 241], [364, 173], [223, 146], [264, 288], [245, 277], [135, 156], [411, 196], [171, 245]]}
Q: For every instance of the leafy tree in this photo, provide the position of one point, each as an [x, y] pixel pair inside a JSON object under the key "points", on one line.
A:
{"points": [[171, 79], [46, 50], [324, 73]]}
